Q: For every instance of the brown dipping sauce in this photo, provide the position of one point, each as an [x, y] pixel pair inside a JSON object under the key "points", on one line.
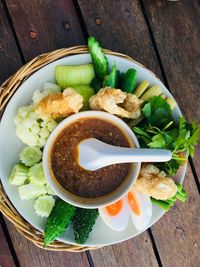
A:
{"points": [[64, 155]]}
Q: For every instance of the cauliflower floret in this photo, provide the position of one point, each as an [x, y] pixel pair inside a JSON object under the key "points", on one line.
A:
{"points": [[116, 102], [155, 183], [59, 105], [49, 88]]}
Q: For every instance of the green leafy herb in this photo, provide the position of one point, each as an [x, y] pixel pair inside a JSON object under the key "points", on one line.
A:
{"points": [[160, 131], [157, 112]]}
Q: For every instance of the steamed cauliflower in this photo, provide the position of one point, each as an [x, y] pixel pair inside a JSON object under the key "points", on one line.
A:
{"points": [[59, 105], [155, 183], [32, 130], [116, 102]]}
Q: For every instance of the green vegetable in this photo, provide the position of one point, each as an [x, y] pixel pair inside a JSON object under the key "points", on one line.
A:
{"points": [[129, 81], [120, 77], [100, 62], [157, 112], [83, 223], [158, 130], [111, 79], [58, 221], [86, 91], [36, 174], [166, 204], [19, 174], [96, 84], [44, 205], [30, 155], [187, 137], [31, 191], [68, 76]]}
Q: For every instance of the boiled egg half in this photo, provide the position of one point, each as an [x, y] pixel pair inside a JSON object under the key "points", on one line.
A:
{"points": [[134, 205]]}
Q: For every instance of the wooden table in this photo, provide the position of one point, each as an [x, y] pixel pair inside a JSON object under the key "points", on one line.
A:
{"points": [[164, 36]]}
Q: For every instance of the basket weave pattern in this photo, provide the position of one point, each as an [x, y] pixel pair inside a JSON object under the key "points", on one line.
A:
{"points": [[7, 89]]}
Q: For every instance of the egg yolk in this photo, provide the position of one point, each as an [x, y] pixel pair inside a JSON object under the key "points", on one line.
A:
{"points": [[134, 203], [115, 208]]}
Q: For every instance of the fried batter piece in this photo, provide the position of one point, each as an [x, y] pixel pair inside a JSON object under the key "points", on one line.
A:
{"points": [[155, 183], [59, 105], [116, 102]]}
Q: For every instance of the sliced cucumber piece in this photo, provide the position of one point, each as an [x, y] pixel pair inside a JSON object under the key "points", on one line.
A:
{"points": [[44, 205], [19, 174], [36, 174], [31, 191], [86, 91], [68, 76], [111, 79], [30, 155], [99, 59], [129, 81]]}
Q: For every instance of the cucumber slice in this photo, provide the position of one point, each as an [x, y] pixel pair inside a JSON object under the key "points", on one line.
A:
{"points": [[50, 190], [36, 175], [30, 155], [129, 81], [111, 79], [19, 174], [86, 91], [44, 205], [31, 191], [99, 59], [68, 76]]}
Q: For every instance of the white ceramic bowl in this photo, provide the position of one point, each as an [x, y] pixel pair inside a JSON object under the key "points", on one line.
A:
{"points": [[98, 202], [10, 147]]}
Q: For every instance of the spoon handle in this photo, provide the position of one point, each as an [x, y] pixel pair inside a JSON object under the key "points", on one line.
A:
{"points": [[99, 154]]}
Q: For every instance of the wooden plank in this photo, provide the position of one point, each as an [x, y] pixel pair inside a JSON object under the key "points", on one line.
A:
{"points": [[121, 27], [6, 259], [135, 252], [10, 61], [43, 26], [177, 234], [30, 255], [175, 26], [132, 38]]}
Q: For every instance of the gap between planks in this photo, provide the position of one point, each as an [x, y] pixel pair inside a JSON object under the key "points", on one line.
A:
{"points": [[9, 241], [166, 82]]}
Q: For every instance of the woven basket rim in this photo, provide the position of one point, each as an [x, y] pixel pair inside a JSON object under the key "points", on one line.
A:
{"points": [[7, 89]]}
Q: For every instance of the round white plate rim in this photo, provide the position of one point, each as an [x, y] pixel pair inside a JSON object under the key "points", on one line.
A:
{"points": [[85, 58]]}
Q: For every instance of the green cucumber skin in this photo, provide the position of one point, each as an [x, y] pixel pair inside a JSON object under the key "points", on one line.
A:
{"points": [[100, 61], [67, 76], [96, 84], [58, 221], [111, 79], [129, 81]]}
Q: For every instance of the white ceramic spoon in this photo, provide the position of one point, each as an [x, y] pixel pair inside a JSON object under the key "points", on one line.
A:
{"points": [[94, 154]]}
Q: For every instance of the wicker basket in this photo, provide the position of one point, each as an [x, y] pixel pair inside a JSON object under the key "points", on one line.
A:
{"points": [[7, 89]]}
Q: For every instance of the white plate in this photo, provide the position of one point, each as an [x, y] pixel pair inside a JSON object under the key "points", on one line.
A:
{"points": [[10, 147]]}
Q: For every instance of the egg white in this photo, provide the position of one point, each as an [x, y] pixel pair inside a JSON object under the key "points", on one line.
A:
{"points": [[118, 222], [141, 221]]}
